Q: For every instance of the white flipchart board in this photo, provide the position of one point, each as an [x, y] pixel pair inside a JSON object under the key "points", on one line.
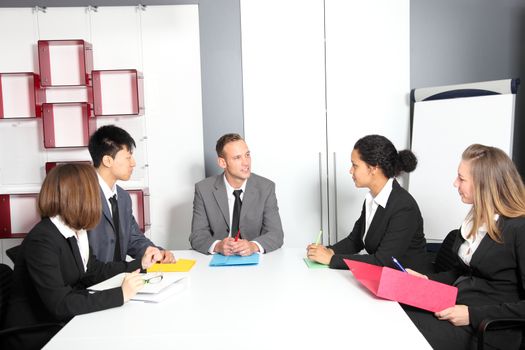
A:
{"points": [[446, 120]]}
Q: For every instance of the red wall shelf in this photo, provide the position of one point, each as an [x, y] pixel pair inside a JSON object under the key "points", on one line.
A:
{"points": [[18, 214], [20, 95], [65, 62], [118, 92]]}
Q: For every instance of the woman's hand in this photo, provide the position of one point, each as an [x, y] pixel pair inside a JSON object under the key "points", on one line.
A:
{"points": [[132, 283], [319, 253], [457, 315], [417, 274]]}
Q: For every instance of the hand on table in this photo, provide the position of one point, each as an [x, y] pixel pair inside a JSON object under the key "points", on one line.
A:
{"points": [[167, 257], [151, 256], [225, 247], [319, 253], [131, 284], [244, 248]]}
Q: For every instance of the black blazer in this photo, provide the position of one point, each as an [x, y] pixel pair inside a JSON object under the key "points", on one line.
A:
{"points": [[494, 283], [49, 283], [395, 231]]}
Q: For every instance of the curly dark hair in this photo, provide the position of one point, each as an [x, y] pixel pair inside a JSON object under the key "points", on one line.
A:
{"points": [[377, 150]]}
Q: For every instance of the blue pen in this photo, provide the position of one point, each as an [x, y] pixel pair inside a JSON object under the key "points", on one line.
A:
{"points": [[398, 265]]}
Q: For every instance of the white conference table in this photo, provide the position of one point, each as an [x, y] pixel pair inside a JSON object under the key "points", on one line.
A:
{"points": [[277, 304]]}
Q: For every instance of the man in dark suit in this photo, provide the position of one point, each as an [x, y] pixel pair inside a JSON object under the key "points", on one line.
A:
{"points": [[236, 212], [111, 149]]}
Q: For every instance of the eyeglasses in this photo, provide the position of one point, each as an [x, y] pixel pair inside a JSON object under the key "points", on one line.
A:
{"points": [[153, 279]]}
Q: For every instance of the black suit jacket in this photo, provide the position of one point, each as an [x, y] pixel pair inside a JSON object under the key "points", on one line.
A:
{"points": [[494, 283], [49, 283], [395, 231]]}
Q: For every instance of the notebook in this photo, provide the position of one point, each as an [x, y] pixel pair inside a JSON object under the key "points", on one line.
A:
{"points": [[234, 260], [182, 265], [314, 264]]}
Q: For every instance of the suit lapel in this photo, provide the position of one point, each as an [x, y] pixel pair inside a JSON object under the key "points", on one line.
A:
{"points": [[105, 209], [484, 246], [378, 218], [251, 196], [222, 199], [72, 241]]}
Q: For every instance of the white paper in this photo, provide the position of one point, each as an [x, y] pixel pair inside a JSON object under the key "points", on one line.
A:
{"points": [[149, 288]]}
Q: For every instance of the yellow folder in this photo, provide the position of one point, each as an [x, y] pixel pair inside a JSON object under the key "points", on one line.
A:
{"points": [[182, 265]]}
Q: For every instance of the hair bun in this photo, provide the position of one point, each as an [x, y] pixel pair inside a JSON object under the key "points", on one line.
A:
{"points": [[406, 161]]}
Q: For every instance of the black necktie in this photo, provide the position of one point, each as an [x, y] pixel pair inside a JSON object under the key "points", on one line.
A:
{"points": [[116, 225], [236, 212]]}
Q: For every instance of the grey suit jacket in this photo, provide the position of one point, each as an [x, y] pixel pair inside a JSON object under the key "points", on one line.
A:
{"points": [[102, 237], [259, 220]]}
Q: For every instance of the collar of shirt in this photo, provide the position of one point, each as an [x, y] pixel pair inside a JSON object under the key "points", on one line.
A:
{"points": [[108, 192], [230, 189], [466, 226], [471, 244], [80, 236], [382, 197]]}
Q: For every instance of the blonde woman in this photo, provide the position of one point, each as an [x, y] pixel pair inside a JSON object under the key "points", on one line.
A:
{"points": [[490, 266]]}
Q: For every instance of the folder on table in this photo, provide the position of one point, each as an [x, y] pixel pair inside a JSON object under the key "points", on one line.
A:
{"points": [[314, 264], [234, 260], [182, 265], [399, 286]]}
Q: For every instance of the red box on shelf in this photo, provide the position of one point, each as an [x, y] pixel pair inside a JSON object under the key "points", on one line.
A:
{"points": [[140, 207], [51, 165], [18, 214], [118, 92], [67, 124], [65, 62], [20, 95]]}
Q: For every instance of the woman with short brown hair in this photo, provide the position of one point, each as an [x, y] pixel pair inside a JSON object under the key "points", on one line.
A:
{"points": [[54, 266]]}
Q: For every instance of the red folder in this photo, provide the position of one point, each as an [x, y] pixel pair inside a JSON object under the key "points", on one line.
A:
{"points": [[399, 286]]}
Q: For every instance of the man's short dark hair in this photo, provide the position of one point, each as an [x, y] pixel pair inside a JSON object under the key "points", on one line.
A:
{"points": [[108, 140], [224, 140]]}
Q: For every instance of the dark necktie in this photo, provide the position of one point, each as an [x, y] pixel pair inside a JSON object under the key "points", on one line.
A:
{"points": [[236, 212], [116, 225]]}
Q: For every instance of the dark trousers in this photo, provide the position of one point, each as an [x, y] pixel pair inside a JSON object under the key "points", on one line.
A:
{"points": [[444, 335]]}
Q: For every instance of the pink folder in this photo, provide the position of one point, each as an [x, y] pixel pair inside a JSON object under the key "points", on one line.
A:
{"points": [[399, 286]]}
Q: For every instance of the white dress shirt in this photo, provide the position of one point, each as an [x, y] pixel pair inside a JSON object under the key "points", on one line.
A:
{"points": [[468, 248], [371, 203], [231, 203], [108, 192], [80, 235]]}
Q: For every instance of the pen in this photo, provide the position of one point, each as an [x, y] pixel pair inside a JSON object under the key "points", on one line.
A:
{"points": [[398, 265], [237, 235], [318, 240]]}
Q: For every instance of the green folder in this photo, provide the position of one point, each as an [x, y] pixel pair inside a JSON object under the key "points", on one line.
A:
{"points": [[314, 265]]}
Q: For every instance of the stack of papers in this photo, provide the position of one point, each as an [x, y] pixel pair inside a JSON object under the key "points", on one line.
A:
{"points": [[233, 260], [170, 284]]}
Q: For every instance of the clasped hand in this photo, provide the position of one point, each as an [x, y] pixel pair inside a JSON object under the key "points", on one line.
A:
{"points": [[242, 247]]}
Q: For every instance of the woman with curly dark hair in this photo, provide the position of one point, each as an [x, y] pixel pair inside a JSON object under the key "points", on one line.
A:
{"points": [[390, 224]]}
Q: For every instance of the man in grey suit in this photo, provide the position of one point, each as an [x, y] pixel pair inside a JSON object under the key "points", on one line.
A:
{"points": [[117, 233], [214, 228]]}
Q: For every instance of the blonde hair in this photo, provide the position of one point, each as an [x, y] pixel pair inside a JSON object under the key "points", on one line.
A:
{"points": [[498, 188]]}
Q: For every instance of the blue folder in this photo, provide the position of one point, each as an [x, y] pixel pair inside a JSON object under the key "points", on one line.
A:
{"points": [[234, 260]]}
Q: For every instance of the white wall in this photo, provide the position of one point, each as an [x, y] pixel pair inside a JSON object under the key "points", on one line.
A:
{"points": [[307, 101], [160, 41]]}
